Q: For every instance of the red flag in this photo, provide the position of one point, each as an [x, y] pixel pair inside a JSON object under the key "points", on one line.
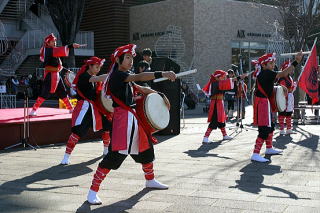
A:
{"points": [[308, 80]]}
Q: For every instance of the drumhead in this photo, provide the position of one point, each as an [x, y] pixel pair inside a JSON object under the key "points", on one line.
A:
{"points": [[156, 111], [106, 101], [281, 99]]}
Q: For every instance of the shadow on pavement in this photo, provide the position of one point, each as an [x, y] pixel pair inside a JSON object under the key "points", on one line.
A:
{"points": [[252, 179], [203, 150], [120, 206], [58, 172]]}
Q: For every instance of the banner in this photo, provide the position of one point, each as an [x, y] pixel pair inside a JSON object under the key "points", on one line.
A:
{"points": [[308, 80]]}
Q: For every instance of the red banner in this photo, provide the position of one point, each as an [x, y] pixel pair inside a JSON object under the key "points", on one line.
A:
{"points": [[308, 80]]}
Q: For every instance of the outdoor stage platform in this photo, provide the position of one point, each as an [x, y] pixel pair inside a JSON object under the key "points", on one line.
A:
{"points": [[50, 126]]}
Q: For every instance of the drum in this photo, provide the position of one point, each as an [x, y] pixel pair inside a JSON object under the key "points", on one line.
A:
{"points": [[278, 101], [106, 101], [153, 112], [69, 77]]}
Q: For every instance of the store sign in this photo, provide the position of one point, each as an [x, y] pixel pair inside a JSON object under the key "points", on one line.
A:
{"points": [[138, 36], [243, 34]]}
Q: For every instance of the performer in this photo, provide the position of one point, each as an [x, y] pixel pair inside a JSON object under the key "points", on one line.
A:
{"points": [[88, 112], [52, 84], [128, 135], [215, 88], [265, 78], [287, 82], [241, 96], [230, 96]]}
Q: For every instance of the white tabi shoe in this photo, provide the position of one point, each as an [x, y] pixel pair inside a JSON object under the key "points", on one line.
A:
{"points": [[105, 150], [66, 159], [289, 131], [33, 113], [154, 184], [206, 140], [282, 132], [272, 151], [227, 137], [258, 158], [93, 198]]}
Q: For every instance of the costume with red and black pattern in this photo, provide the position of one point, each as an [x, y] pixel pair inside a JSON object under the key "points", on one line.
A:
{"points": [[52, 83], [285, 116], [215, 89], [128, 134], [87, 113], [262, 109]]}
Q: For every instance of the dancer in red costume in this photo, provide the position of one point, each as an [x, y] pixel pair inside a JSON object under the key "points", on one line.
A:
{"points": [[285, 116], [88, 112], [262, 109], [52, 83], [128, 135], [215, 88]]}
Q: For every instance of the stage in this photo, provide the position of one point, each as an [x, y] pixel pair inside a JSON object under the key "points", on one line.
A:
{"points": [[50, 126]]}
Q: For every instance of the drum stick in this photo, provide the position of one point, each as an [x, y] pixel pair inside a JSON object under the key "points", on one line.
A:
{"points": [[189, 72], [82, 45], [292, 54]]}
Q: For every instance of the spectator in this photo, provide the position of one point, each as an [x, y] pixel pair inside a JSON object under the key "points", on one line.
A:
{"points": [[15, 84], [143, 66], [190, 98]]}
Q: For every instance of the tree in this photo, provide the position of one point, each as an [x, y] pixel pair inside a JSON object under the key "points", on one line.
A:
{"points": [[299, 18], [66, 16]]}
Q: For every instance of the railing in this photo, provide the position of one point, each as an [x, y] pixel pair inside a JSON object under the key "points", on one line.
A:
{"points": [[7, 101], [40, 71], [33, 39]]}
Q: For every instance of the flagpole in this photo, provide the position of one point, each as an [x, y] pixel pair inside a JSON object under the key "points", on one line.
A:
{"points": [[314, 44]]}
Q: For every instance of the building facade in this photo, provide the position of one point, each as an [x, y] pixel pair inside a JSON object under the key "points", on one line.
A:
{"points": [[204, 34]]}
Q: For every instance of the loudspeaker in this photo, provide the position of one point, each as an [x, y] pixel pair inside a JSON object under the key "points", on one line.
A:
{"points": [[173, 93], [164, 64]]}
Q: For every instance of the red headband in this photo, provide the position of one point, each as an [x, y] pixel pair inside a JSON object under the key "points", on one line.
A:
{"points": [[267, 58]]}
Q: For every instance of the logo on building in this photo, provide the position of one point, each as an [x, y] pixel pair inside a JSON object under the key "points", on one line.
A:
{"points": [[241, 34], [136, 36]]}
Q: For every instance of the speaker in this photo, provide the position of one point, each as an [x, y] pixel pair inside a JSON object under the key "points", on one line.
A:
{"points": [[173, 93], [164, 64]]}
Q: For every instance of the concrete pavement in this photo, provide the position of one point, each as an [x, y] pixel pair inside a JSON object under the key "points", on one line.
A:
{"points": [[217, 177]]}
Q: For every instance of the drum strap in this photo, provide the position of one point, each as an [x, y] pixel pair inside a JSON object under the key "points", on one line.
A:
{"points": [[121, 104], [96, 104], [271, 99]]}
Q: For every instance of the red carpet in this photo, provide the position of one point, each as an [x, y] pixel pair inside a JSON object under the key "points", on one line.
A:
{"points": [[43, 114]]}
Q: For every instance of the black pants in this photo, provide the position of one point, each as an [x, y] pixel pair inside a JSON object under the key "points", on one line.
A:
{"points": [[285, 113], [60, 91], [82, 129], [230, 105], [264, 131], [214, 124], [114, 159]]}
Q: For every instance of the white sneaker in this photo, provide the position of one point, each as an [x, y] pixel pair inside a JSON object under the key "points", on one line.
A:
{"points": [[66, 159], [105, 150], [257, 157], [154, 184], [206, 140], [272, 151], [33, 113], [282, 132], [289, 131], [227, 137], [93, 198]]}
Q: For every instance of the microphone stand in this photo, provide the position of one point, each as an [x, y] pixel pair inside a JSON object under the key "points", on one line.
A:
{"points": [[240, 105]]}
